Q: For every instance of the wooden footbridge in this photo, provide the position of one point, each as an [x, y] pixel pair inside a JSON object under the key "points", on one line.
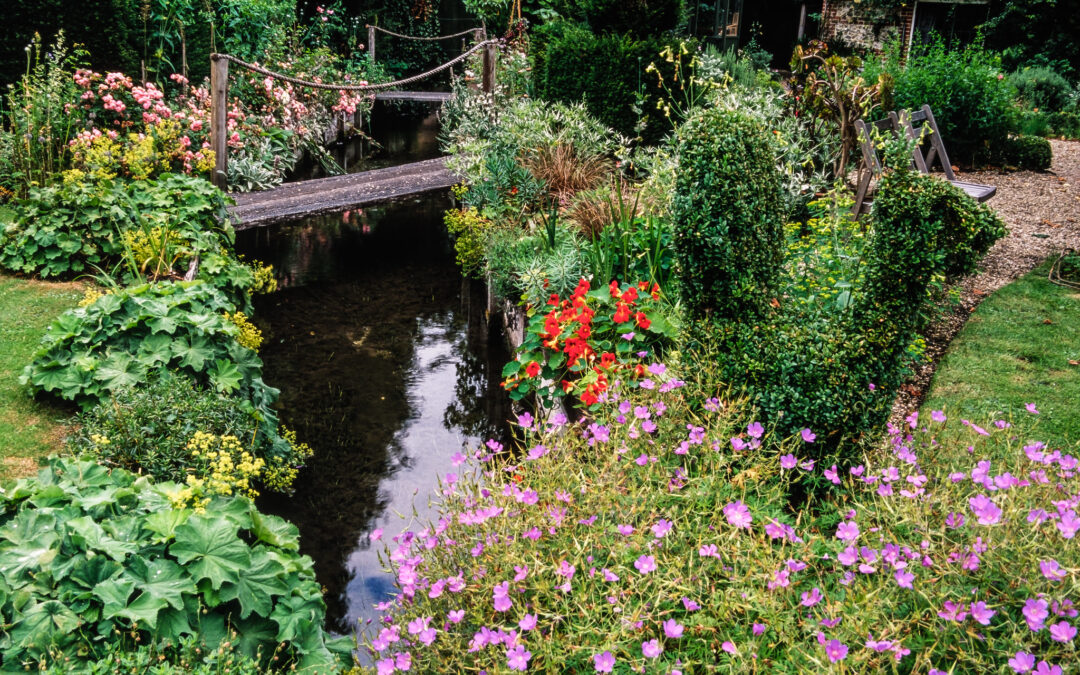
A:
{"points": [[338, 193]]}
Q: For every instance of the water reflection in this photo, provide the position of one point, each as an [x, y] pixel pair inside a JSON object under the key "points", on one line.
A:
{"points": [[386, 367]]}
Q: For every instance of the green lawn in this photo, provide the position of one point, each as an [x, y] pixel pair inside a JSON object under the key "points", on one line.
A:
{"points": [[29, 429], [1015, 349]]}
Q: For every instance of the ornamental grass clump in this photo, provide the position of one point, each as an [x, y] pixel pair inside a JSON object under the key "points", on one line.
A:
{"points": [[659, 537]]}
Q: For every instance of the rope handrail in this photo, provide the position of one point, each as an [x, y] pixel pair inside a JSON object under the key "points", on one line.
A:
{"points": [[478, 29], [354, 87]]}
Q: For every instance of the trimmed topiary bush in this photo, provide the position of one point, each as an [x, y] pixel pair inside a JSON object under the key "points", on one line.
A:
{"points": [[1026, 152], [728, 215]]}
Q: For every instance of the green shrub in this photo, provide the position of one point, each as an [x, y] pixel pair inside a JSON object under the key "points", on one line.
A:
{"points": [[1042, 87], [727, 215], [1026, 152], [187, 657], [847, 327], [122, 337], [533, 267], [469, 230], [972, 103], [608, 72], [150, 429], [90, 558], [81, 225], [639, 17]]}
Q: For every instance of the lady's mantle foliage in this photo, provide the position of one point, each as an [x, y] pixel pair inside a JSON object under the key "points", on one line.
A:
{"points": [[658, 538], [89, 558]]}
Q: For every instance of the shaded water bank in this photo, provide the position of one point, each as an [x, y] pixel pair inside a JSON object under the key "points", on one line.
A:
{"points": [[387, 368]]}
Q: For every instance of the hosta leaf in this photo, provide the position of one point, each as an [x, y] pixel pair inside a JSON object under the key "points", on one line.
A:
{"points": [[162, 579], [211, 549]]}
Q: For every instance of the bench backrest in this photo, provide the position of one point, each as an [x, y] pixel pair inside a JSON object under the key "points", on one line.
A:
{"points": [[906, 123]]}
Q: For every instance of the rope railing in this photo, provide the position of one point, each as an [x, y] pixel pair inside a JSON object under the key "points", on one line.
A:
{"points": [[219, 84], [423, 38], [354, 87]]}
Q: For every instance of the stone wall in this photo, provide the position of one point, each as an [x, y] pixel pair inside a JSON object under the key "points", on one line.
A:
{"points": [[857, 26]]}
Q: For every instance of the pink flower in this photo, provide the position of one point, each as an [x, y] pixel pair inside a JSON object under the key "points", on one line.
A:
{"points": [[455, 615], [836, 650], [709, 551], [788, 461], [518, 658], [904, 578], [738, 515], [812, 598], [1062, 632], [651, 649], [528, 622], [1035, 613], [937, 415], [729, 647], [661, 528], [501, 597], [981, 613], [625, 530], [808, 436], [985, 509], [645, 564], [1051, 570], [673, 629], [1031, 408], [1022, 662], [603, 663], [847, 531], [953, 611]]}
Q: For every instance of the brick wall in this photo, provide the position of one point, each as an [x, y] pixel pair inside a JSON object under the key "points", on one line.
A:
{"points": [[844, 19]]}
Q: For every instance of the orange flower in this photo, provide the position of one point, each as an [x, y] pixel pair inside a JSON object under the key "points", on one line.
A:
{"points": [[642, 320]]}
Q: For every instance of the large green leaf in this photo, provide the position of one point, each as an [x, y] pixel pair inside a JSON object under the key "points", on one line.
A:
{"points": [[86, 533], [225, 376], [30, 556], [192, 352], [275, 531], [40, 623], [162, 579], [256, 586], [115, 594], [211, 550], [164, 523]]}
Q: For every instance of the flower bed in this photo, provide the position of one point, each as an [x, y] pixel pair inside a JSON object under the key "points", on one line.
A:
{"points": [[659, 539]]}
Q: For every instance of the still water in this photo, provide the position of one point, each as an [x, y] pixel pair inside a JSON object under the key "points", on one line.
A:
{"points": [[386, 367]]}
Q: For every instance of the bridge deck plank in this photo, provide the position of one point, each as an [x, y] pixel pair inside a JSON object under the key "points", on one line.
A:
{"points": [[338, 193], [428, 96]]}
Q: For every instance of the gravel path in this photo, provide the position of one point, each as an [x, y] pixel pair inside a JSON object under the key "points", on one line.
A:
{"points": [[1042, 211]]}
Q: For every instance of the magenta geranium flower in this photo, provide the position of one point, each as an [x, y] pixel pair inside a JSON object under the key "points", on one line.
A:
{"points": [[645, 564], [1022, 662], [518, 658], [1051, 570], [836, 650], [788, 461], [673, 629], [847, 531], [603, 663], [651, 649], [981, 613], [1035, 612], [738, 515], [808, 436], [985, 509], [1062, 632]]}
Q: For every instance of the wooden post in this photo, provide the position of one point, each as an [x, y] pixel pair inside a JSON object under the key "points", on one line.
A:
{"points": [[219, 124], [487, 81], [371, 43]]}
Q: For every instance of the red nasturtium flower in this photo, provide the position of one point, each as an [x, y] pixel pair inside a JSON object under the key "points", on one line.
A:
{"points": [[642, 320], [533, 369]]}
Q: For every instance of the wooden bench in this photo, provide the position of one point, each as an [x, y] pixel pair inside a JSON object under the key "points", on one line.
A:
{"points": [[905, 123]]}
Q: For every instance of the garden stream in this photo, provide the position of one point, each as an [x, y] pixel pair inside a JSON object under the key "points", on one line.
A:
{"points": [[387, 368]]}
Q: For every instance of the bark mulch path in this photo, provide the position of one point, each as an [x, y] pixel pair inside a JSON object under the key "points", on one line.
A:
{"points": [[1042, 211]]}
